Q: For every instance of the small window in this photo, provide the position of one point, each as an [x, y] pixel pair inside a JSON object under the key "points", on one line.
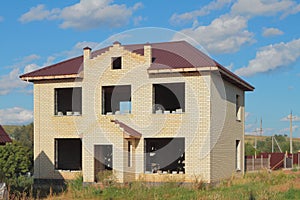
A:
{"points": [[117, 63], [169, 98], [129, 154], [68, 154], [68, 101], [238, 110], [238, 155]]}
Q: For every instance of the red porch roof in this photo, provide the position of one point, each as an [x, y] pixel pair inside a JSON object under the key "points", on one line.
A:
{"points": [[4, 138]]}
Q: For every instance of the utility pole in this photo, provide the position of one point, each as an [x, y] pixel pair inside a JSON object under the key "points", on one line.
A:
{"points": [[272, 144], [255, 139], [260, 130], [290, 117], [256, 134], [255, 144], [291, 132]]}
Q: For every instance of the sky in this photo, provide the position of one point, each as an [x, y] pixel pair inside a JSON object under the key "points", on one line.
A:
{"points": [[258, 40]]}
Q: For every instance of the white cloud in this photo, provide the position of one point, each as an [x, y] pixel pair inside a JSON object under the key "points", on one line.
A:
{"points": [[230, 67], [287, 118], [77, 49], [30, 58], [294, 10], [287, 130], [247, 114], [137, 6], [39, 13], [20, 63], [262, 7], [271, 58], [225, 34], [267, 32], [15, 115], [49, 61], [10, 82], [30, 68], [205, 10], [86, 14], [137, 20]]}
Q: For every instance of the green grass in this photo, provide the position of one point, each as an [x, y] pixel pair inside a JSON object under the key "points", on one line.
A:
{"points": [[262, 185]]}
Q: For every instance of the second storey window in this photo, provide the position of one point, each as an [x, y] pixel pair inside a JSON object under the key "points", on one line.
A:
{"points": [[169, 98], [238, 108], [116, 99], [68, 101]]}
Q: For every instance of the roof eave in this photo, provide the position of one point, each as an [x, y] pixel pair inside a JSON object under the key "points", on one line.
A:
{"points": [[53, 77], [231, 76], [236, 79], [180, 70]]}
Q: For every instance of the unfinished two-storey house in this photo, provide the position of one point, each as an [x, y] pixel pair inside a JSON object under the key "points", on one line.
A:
{"points": [[144, 111]]}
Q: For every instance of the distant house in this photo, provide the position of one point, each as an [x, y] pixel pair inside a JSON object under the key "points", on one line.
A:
{"points": [[145, 111], [4, 138]]}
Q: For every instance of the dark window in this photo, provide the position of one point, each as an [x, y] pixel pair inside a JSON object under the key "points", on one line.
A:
{"points": [[238, 110], [165, 154], [116, 99], [68, 101], [169, 97], [68, 154], [129, 154], [117, 63]]}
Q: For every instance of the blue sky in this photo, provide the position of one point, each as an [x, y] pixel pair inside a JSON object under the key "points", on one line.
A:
{"points": [[258, 39]]}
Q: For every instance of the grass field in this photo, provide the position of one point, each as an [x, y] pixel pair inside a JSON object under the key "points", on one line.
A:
{"points": [[263, 185]]}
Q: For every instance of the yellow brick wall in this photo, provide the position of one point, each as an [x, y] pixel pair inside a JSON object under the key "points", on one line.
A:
{"points": [[196, 124], [223, 140], [47, 127]]}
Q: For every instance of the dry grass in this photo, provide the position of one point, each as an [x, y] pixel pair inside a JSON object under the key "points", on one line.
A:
{"points": [[261, 185]]}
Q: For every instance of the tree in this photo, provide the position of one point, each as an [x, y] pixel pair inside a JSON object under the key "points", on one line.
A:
{"points": [[24, 135], [15, 159], [249, 149]]}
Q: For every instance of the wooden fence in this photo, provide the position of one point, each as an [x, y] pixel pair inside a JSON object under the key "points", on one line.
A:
{"points": [[271, 161]]}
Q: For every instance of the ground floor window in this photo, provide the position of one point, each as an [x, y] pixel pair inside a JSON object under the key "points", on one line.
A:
{"points": [[165, 155], [68, 154], [238, 155]]}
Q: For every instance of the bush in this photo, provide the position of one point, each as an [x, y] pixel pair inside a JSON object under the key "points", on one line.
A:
{"points": [[15, 160], [106, 177], [20, 186]]}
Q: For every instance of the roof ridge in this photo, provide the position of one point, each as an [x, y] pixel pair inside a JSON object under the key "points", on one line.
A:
{"points": [[178, 41]]}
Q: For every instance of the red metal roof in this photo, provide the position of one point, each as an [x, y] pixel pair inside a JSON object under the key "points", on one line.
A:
{"points": [[4, 138], [166, 55], [71, 66]]}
